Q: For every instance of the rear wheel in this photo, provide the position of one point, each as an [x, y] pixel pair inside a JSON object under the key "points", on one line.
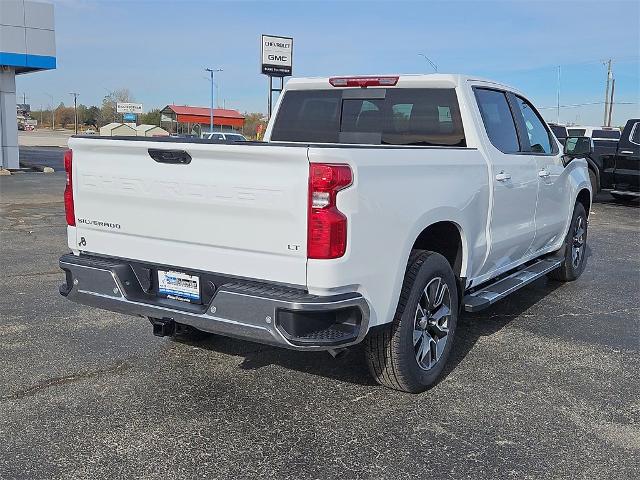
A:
{"points": [[410, 353], [575, 247]]}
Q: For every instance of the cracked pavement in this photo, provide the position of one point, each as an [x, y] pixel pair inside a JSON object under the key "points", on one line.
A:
{"points": [[542, 385]]}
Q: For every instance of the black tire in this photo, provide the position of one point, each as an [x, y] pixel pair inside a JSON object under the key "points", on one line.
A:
{"points": [[570, 269], [594, 182], [392, 352]]}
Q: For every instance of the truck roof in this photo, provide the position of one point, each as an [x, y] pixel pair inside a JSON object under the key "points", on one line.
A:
{"points": [[436, 80]]}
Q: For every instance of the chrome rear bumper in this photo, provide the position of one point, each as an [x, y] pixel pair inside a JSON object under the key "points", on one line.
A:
{"points": [[260, 312]]}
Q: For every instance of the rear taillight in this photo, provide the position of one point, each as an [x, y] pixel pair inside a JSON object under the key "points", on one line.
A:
{"points": [[327, 226], [68, 190], [363, 81]]}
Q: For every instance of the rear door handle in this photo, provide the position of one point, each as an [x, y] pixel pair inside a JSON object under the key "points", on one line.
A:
{"points": [[544, 173], [178, 157], [626, 152], [503, 177]]}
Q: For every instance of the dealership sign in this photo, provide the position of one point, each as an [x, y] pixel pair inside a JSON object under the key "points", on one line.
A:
{"points": [[128, 107], [277, 56]]}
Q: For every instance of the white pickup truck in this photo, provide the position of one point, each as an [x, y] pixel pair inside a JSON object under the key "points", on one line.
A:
{"points": [[376, 210]]}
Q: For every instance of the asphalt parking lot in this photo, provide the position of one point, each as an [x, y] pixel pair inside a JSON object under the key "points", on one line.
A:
{"points": [[543, 385]]}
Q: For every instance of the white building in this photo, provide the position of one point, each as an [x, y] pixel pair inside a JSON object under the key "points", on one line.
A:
{"points": [[151, 131], [117, 130], [27, 44]]}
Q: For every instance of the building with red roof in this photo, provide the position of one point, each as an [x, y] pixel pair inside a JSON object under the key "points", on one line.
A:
{"points": [[185, 119]]}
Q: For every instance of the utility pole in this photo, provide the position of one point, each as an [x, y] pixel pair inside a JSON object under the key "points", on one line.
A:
{"points": [[75, 109], [211, 73], [53, 112], [558, 98], [613, 87], [606, 95]]}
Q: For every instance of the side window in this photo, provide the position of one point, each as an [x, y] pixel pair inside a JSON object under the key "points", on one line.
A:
{"points": [[217, 136], [635, 134], [498, 121], [539, 139]]}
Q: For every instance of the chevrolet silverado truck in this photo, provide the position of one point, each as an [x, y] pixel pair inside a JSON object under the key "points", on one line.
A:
{"points": [[620, 174], [376, 210]]}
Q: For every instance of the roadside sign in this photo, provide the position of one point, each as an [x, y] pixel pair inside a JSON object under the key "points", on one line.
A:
{"points": [[129, 117], [277, 56], [126, 107]]}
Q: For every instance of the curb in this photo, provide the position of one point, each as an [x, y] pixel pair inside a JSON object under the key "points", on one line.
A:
{"points": [[37, 168]]}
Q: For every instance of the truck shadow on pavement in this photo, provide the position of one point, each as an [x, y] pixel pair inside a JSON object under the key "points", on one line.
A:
{"points": [[351, 367]]}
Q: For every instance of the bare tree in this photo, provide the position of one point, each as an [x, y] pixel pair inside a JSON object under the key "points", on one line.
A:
{"points": [[108, 111]]}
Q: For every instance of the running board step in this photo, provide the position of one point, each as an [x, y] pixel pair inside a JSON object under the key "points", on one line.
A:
{"points": [[490, 294]]}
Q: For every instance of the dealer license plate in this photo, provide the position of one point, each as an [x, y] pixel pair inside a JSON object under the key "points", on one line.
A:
{"points": [[179, 286]]}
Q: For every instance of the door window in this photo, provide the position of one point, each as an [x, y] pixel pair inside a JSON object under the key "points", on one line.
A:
{"points": [[537, 133], [497, 119], [635, 134]]}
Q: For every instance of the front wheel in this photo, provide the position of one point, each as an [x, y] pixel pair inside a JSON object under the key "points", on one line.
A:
{"points": [[575, 247], [410, 353]]}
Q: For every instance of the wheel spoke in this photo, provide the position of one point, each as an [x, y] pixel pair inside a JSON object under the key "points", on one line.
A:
{"points": [[442, 287], [417, 335], [422, 350], [440, 344], [432, 292]]}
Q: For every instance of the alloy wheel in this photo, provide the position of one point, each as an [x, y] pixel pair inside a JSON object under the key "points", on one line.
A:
{"points": [[431, 327]]}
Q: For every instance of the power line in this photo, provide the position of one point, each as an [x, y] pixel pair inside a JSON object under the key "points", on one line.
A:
{"points": [[573, 105]]}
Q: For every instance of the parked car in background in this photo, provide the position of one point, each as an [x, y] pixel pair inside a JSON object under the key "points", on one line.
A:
{"points": [[224, 136], [596, 133], [560, 131], [621, 169], [376, 210], [604, 143]]}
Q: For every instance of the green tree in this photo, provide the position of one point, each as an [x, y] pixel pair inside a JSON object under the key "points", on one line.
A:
{"points": [[92, 116], [251, 122], [152, 117]]}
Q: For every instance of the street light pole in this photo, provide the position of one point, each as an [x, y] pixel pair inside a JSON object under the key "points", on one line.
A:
{"points": [[75, 109], [433, 65], [211, 72]]}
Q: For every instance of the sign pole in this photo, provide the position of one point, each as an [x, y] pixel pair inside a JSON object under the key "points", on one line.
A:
{"points": [[270, 95]]}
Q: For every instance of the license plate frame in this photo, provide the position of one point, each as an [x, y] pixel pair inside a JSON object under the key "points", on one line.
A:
{"points": [[177, 285]]}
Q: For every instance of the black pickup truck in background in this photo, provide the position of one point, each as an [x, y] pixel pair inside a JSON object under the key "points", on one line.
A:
{"points": [[620, 168]]}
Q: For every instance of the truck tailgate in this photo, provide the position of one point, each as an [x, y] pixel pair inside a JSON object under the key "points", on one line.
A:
{"points": [[233, 209]]}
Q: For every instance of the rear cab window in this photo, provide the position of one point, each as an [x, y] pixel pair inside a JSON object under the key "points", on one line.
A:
{"points": [[606, 134], [576, 132], [558, 131], [374, 116]]}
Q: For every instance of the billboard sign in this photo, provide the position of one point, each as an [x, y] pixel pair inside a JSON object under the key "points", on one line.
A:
{"points": [[277, 56], [129, 117], [128, 107]]}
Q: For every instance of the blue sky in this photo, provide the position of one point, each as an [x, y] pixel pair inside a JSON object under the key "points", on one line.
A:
{"points": [[159, 49]]}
